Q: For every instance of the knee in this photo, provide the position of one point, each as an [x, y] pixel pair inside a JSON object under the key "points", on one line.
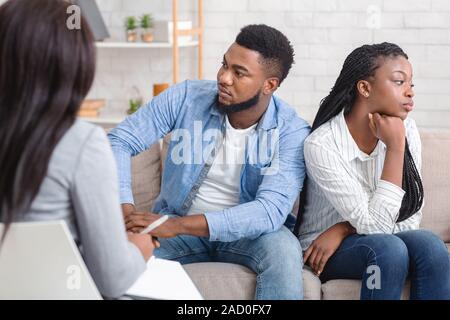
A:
{"points": [[426, 246], [389, 250], [282, 249], [287, 244], [424, 241]]}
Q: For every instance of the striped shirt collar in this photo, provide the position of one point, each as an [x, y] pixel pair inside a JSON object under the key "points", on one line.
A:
{"points": [[345, 142]]}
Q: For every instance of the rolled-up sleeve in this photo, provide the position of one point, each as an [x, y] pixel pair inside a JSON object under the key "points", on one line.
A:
{"points": [[142, 129]]}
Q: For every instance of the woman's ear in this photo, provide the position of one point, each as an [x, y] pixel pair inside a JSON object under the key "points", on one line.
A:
{"points": [[364, 88], [270, 85]]}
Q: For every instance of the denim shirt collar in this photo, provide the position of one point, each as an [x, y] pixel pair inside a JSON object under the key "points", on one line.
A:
{"points": [[269, 120]]}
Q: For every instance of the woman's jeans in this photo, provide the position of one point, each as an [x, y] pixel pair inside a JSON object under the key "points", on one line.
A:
{"points": [[385, 261]]}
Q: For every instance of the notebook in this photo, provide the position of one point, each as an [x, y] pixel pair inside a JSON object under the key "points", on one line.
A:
{"points": [[164, 280]]}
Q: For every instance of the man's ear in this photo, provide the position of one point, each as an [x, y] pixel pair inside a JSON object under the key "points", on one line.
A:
{"points": [[270, 85], [364, 88]]}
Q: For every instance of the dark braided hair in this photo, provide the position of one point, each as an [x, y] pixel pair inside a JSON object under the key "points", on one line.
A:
{"points": [[360, 65]]}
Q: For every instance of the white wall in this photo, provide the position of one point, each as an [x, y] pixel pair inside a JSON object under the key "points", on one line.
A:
{"points": [[323, 33]]}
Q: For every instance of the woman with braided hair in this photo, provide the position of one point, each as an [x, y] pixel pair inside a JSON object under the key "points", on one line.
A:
{"points": [[361, 206]]}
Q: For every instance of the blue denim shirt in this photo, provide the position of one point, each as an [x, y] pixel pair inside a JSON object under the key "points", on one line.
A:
{"points": [[271, 177]]}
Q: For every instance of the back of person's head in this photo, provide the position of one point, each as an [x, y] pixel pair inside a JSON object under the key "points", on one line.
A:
{"points": [[46, 71], [275, 49]]}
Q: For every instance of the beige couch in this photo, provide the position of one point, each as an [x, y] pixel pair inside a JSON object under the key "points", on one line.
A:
{"points": [[230, 281]]}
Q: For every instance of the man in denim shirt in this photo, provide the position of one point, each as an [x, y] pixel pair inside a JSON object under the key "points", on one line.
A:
{"points": [[234, 166]]}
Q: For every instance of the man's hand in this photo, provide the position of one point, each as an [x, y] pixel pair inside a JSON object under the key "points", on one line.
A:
{"points": [[127, 208], [138, 221], [325, 245], [194, 225]]}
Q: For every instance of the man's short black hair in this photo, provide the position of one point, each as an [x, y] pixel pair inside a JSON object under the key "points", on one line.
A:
{"points": [[275, 49]]}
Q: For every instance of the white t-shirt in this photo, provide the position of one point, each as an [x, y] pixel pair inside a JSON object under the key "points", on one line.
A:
{"points": [[220, 189]]}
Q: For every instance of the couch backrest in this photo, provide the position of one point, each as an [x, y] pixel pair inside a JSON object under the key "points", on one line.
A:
{"points": [[146, 177], [147, 167], [436, 181]]}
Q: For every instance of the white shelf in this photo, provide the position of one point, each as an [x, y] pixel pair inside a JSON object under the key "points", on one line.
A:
{"points": [[143, 45], [104, 120]]}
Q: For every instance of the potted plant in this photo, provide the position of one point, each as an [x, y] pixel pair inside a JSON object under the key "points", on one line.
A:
{"points": [[134, 105], [130, 27], [135, 101], [146, 23]]}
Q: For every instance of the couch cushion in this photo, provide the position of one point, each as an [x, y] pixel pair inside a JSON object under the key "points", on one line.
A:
{"points": [[146, 173], [226, 281], [436, 181], [311, 285], [222, 281], [349, 290]]}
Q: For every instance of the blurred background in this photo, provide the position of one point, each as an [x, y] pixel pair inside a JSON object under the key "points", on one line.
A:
{"points": [[323, 33]]}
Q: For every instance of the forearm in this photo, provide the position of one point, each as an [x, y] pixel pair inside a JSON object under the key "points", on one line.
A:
{"points": [[194, 225], [247, 220], [393, 164], [344, 229], [127, 209], [385, 204]]}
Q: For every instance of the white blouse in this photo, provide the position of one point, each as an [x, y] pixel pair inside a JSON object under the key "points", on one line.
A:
{"points": [[344, 183]]}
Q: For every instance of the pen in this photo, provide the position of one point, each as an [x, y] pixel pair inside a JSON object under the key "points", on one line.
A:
{"points": [[155, 224]]}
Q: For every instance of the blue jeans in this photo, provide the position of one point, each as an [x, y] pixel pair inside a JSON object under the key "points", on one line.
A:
{"points": [[419, 255], [276, 258]]}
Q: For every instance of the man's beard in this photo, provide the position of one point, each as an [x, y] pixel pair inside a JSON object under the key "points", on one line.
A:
{"points": [[233, 108]]}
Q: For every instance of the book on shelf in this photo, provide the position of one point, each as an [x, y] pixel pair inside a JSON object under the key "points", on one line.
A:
{"points": [[92, 104], [91, 108], [91, 113]]}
